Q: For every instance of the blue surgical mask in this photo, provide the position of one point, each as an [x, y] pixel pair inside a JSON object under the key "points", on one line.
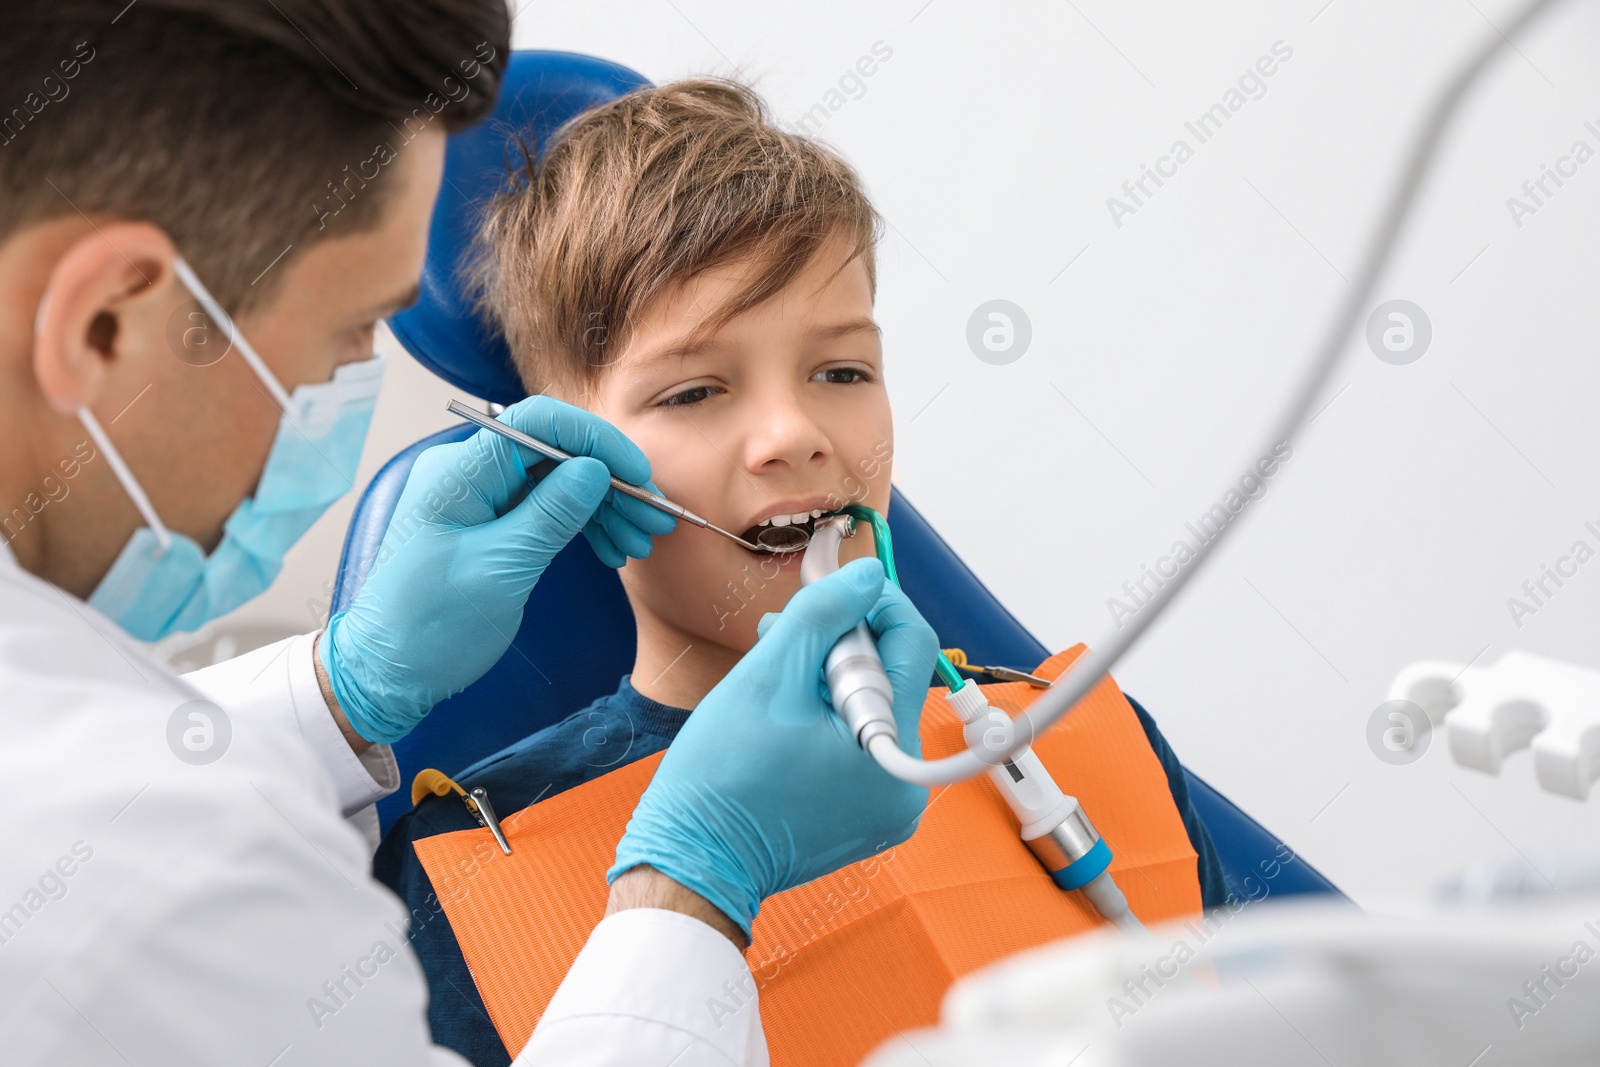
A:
{"points": [[162, 582]]}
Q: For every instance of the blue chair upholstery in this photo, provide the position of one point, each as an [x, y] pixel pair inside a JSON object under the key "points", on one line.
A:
{"points": [[577, 635], [539, 93]]}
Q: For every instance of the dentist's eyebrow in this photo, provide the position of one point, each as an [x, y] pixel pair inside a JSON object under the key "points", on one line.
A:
{"points": [[399, 303]]}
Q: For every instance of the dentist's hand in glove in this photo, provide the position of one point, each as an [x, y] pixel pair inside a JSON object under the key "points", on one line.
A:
{"points": [[764, 788], [476, 525]]}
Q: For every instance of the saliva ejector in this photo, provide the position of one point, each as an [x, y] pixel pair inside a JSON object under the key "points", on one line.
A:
{"points": [[1053, 825]]}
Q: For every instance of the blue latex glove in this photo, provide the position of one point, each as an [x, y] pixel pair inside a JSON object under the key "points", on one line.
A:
{"points": [[473, 531], [764, 788]]}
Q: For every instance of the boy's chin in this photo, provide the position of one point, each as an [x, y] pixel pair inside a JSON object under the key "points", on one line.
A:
{"points": [[748, 593]]}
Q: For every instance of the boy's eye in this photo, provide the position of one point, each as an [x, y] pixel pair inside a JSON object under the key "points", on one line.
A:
{"points": [[842, 375], [695, 394]]}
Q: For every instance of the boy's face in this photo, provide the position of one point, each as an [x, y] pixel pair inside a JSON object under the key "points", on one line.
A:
{"points": [[780, 412]]}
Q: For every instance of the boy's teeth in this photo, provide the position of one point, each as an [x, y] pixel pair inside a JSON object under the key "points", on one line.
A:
{"points": [[791, 520]]}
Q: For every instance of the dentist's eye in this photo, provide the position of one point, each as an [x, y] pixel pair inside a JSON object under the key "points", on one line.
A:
{"points": [[696, 394], [842, 376]]}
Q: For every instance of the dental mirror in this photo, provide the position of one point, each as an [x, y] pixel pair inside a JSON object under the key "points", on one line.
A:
{"points": [[783, 538]]}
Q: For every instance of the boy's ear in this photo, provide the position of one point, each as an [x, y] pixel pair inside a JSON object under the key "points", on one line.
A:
{"points": [[97, 309]]}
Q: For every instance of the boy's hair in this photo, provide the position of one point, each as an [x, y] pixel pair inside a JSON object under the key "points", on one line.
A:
{"points": [[642, 194], [245, 129]]}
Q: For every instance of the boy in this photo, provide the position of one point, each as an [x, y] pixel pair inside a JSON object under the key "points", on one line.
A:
{"points": [[704, 281]]}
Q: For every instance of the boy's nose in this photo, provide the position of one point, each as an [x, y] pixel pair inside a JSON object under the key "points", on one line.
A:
{"points": [[782, 433]]}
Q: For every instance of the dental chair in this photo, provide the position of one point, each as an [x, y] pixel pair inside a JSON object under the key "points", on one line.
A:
{"points": [[577, 635]]}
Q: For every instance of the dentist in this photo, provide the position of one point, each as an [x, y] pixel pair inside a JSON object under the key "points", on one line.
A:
{"points": [[207, 205]]}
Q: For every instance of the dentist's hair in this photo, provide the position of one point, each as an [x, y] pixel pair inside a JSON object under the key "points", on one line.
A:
{"points": [[242, 128], [642, 194]]}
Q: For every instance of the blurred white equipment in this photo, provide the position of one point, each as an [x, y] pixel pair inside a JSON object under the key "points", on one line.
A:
{"points": [[1521, 700], [1289, 985]]}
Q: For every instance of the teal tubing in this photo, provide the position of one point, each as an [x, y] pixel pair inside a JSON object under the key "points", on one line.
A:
{"points": [[883, 545]]}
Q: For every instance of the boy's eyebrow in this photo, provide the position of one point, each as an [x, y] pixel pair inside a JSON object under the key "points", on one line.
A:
{"points": [[842, 329], [680, 349], [696, 346]]}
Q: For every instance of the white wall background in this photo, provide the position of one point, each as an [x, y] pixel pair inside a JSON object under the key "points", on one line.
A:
{"points": [[1421, 499]]}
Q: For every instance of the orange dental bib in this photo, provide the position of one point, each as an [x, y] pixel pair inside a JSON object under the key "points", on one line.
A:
{"points": [[846, 961]]}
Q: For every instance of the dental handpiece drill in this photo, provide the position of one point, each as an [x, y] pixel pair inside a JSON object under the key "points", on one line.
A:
{"points": [[857, 683], [1052, 824]]}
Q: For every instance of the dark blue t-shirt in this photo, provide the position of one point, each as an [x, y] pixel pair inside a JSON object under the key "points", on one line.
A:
{"points": [[611, 732]]}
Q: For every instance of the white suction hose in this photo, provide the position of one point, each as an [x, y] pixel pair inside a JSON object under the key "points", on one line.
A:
{"points": [[1054, 826], [1072, 686]]}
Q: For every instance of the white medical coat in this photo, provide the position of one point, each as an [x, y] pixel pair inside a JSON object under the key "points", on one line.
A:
{"points": [[156, 910]]}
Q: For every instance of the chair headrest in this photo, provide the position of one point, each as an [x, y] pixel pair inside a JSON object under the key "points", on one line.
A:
{"points": [[540, 91]]}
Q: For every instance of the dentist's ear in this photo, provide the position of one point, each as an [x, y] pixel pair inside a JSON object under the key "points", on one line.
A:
{"points": [[101, 312]]}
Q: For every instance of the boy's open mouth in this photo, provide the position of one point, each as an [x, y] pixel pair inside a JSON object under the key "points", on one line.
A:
{"points": [[784, 532]]}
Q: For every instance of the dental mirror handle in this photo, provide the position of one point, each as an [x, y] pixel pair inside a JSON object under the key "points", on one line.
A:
{"points": [[857, 683], [655, 500]]}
